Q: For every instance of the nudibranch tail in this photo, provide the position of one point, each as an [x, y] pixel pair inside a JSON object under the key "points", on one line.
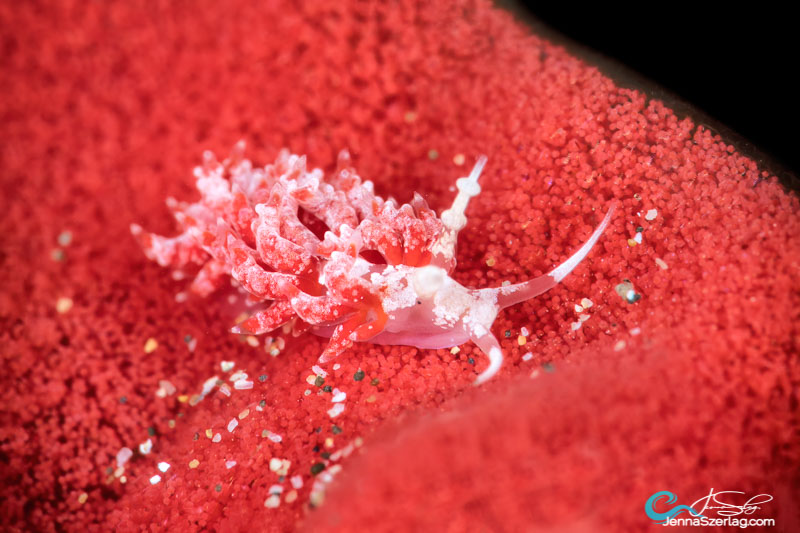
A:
{"points": [[520, 292]]}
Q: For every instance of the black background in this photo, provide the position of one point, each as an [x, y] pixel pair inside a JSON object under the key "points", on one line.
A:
{"points": [[737, 65]]}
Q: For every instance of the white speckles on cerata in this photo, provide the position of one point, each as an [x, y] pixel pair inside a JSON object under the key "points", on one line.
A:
{"points": [[393, 284]]}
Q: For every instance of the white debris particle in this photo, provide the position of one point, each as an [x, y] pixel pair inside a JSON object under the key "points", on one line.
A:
{"points": [[311, 379], [661, 263], [65, 238], [527, 357], [274, 437], [336, 410], [209, 385], [63, 305], [224, 389], [651, 214], [243, 384], [275, 489], [578, 308], [236, 376], [155, 479], [146, 447], [181, 297], [338, 396], [230, 464], [619, 346], [165, 388], [576, 326], [584, 318], [192, 345], [638, 238], [123, 455], [586, 303], [227, 366], [232, 425], [454, 350], [524, 331], [119, 471], [150, 345], [217, 438], [635, 331], [275, 464], [337, 366], [630, 295], [297, 482], [318, 371], [272, 502], [163, 466]]}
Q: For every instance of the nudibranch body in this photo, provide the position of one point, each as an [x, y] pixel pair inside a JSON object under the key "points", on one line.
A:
{"points": [[379, 272]]}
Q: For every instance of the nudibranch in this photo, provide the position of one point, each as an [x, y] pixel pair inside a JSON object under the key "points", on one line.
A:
{"points": [[329, 256]]}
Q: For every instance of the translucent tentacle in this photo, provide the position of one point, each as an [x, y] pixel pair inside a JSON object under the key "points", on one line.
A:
{"points": [[489, 346], [520, 292]]}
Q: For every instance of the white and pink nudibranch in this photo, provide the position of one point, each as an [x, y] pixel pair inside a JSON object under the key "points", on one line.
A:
{"points": [[331, 257]]}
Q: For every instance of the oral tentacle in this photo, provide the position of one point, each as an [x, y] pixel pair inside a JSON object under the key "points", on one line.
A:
{"points": [[520, 292], [488, 345]]}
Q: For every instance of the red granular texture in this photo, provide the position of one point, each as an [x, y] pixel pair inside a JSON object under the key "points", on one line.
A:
{"points": [[106, 108]]}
